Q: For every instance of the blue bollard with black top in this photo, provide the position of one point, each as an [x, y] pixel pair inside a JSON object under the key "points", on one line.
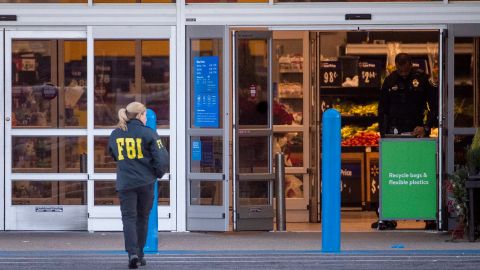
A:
{"points": [[151, 246], [331, 169]]}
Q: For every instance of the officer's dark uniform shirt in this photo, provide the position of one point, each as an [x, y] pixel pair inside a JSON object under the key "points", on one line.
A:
{"points": [[403, 102], [140, 155]]}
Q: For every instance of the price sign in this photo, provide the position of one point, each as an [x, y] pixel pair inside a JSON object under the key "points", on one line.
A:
{"points": [[369, 72], [330, 73], [420, 63]]}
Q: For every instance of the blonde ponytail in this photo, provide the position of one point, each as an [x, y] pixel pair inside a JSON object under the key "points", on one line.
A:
{"points": [[132, 111], [122, 119]]}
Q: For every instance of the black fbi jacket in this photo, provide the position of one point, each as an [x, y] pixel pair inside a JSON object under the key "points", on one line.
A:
{"points": [[140, 154]]}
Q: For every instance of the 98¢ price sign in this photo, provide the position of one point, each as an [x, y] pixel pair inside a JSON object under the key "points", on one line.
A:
{"points": [[330, 73]]}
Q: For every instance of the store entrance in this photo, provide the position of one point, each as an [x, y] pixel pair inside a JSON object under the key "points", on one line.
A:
{"points": [[310, 71], [350, 69]]}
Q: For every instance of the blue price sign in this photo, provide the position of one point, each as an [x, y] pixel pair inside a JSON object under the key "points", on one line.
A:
{"points": [[196, 150], [205, 85]]}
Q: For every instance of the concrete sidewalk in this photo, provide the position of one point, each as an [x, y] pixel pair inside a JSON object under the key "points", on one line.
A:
{"points": [[236, 241]]}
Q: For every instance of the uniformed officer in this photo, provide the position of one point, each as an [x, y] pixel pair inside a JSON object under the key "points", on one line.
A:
{"points": [[141, 159], [406, 98]]}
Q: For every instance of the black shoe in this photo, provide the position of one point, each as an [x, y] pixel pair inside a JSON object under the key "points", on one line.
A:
{"points": [[142, 261], [391, 225], [430, 225], [132, 261], [374, 225], [381, 226]]}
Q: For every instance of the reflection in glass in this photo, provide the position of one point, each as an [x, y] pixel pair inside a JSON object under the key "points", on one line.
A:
{"points": [[133, 1], [33, 154], [118, 83], [49, 193], [206, 48], [33, 91], [207, 155], [253, 82], [163, 193], [104, 162], [156, 78], [47, 154], [206, 193], [114, 79], [40, 75], [289, 1], [225, 1], [70, 150], [104, 193], [75, 83], [254, 192], [291, 144], [294, 186], [254, 154], [44, 1], [464, 81], [460, 146]]}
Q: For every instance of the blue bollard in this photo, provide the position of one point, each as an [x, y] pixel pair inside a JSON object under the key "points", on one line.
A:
{"points": [[331, 151], [151, 246]]}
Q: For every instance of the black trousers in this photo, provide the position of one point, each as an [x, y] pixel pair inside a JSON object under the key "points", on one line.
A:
{"points": [[135, 205]]}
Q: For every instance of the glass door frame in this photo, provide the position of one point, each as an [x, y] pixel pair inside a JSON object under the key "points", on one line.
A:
{"points": [[108, 218], [454, 31], [2, 127], [298, 203], [208, 217], [255, 217], [69, 212]]}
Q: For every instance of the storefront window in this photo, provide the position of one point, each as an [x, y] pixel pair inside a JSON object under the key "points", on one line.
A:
{"points": [[253, 154], [44, 1], [464, 82], [206, 193], [207, 155], [49, 193], [47, 154], [132, 1], [104, 163], [48, 88], [288, 82], [106, 194], [253, 82], [289, 1], [225, 1], [293, 186], [131, 70], [207, 93], [254, 192], [74, 84], [460, 145], [291, 144]]}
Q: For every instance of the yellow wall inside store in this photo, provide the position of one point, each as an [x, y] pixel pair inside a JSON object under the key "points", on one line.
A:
{"points": [[74, 50], [155, 48], [132, 1]]}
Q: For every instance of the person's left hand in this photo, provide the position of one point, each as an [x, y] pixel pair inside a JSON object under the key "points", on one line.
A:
{"points": [[419, 132]]}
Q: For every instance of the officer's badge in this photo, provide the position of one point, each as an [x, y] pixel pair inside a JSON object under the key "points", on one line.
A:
{"points": [[415, 83]]}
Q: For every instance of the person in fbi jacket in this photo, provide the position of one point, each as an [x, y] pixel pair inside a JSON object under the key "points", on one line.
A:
{"points": [[141, 159], [408, 105]]}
